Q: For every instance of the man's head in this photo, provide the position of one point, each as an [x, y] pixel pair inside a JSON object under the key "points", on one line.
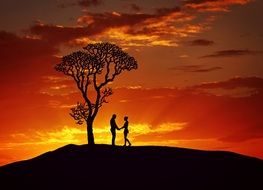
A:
{"points": [[126, 118], [114, 116]]}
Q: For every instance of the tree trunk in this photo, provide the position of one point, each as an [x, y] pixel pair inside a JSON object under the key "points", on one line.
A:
{"points": [[90, 135]]}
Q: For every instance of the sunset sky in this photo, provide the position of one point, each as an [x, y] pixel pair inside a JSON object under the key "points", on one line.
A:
{"points": [[199, 83]]}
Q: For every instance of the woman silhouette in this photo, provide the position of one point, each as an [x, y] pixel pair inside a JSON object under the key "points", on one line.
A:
{"points": [[126, 131]]}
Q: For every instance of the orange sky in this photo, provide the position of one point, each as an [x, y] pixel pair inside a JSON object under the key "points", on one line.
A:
{"points": [[199, 82]]}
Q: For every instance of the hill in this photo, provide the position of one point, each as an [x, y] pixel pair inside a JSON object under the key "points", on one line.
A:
{"points": [[142, 167]]}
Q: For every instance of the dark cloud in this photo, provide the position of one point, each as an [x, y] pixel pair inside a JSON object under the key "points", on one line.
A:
{"points": [[141, 29], [56, 35], [135, 7], [165, 11], [163, 27], [117, 19], [255, 83], [82, 3], [65, 5], [232, 53], [198, 1], [208, 69], [88, 3], [195, 68], [201, 42], [97, 23], [213, 5]]}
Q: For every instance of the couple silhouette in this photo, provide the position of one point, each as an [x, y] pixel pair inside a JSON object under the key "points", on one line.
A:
{"points": [[114, 126]]}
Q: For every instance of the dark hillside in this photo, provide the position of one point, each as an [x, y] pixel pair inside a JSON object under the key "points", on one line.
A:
{"points": [[145, 167]]}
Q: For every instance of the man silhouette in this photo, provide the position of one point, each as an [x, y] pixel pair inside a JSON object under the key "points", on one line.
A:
{"points": [[113, 127]]}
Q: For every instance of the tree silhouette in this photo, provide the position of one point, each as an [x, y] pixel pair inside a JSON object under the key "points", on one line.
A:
{"points": [[93, 69]]}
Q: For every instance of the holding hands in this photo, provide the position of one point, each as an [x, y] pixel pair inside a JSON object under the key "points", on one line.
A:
{"points": [[119, 128]]}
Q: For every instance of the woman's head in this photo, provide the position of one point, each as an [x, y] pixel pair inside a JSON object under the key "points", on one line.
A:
{"points": [[126, 118]]}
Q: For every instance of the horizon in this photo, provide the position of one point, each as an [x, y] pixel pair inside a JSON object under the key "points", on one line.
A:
{"points": [[199, 82]]}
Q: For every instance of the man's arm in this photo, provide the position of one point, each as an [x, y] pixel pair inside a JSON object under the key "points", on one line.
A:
{"points": [[116, 126]]}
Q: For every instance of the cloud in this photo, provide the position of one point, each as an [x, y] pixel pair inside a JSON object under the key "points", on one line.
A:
{"points": [[162, 28], [55, 79], [195, 68], [213, 5], [112, 19], [64, 5], [81, 3], [53, 85], [99, 24], [167, 127], [64, 135], [208, 69], [134, 7], [184, 56], [166, 11], [58, 90], [236, 87], [201, 42], [57, 35], [159, 29], [232, 53], [88, 3], [236, 82]]}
